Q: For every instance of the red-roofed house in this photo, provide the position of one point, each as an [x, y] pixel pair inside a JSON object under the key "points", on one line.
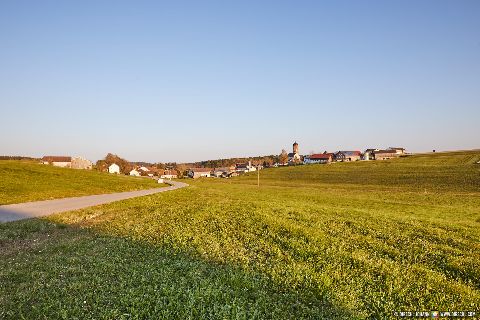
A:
{"points": [[318, 158], [58, 161], [169, 174]]}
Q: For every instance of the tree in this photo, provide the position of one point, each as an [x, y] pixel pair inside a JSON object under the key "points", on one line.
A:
{"points": [[160, 166], [267, 162], [182, 169], [110, 158], [283, 158], [101, 165]]}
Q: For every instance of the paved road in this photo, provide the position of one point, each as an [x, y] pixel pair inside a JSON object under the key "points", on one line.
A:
{"points": [[27, 210]]}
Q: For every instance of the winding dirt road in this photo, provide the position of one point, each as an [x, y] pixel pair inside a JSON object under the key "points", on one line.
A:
{"points": [[27, 210]]}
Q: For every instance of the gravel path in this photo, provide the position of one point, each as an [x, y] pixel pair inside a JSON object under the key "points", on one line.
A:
{"points": [[27, 210]]}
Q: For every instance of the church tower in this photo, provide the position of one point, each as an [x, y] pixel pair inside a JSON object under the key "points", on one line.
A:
{"points": [[295, 147]]}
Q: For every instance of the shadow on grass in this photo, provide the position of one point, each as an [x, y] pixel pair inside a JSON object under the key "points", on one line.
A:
{"points": [[50, 270]]}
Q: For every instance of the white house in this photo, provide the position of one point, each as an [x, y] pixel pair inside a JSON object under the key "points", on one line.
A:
{"points": [[135, 173], [114, 168], [144, 169]]}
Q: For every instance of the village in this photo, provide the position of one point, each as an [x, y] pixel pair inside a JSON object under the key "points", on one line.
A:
{"points": [[229, 160], [181, 171]]}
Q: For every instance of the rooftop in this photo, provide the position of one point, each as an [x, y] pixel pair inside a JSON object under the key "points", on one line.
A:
{"points": [[200, 169], [321, 156], [351, 153], [57, 158]]}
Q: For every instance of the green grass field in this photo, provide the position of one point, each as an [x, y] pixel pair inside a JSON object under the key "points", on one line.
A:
{"points": [[342, 241], [23, 181]]}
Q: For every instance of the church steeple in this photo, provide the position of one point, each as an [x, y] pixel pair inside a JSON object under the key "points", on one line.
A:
{"points": [[295, 147]]}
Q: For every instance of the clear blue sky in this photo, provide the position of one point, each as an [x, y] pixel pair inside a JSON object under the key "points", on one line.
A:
{"points": [[186, 81]]}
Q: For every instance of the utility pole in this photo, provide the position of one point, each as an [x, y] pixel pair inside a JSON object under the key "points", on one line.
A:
{"points": [[258, 176]]}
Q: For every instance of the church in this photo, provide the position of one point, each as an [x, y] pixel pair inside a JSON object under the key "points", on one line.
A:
{"points": [[294, 157]]}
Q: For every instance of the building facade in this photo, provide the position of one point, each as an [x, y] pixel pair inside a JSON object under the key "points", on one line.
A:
{"points": [[346, 156], [134, 173], [385, 154], [398, 150], [81, 163], [199, 172], [169, 174], [114, 168], [318, 158]]}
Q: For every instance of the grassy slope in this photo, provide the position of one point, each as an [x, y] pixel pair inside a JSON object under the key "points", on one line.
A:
{"points": [[444, 172], [353, 240], [23, 181]]}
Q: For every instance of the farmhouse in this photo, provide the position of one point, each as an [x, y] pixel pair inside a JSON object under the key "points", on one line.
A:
{"points": [[318, 158], [385, 154], [58, 161], [169, 174], [199, 172], [114, 168], [345, 156]]}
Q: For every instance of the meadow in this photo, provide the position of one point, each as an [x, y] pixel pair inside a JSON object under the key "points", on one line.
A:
{"points": [[23, 181], [342, 241]]}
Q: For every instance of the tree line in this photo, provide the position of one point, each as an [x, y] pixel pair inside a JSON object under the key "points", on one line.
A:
{"points": [[259, 160], [181, 168], [17, 158]]}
